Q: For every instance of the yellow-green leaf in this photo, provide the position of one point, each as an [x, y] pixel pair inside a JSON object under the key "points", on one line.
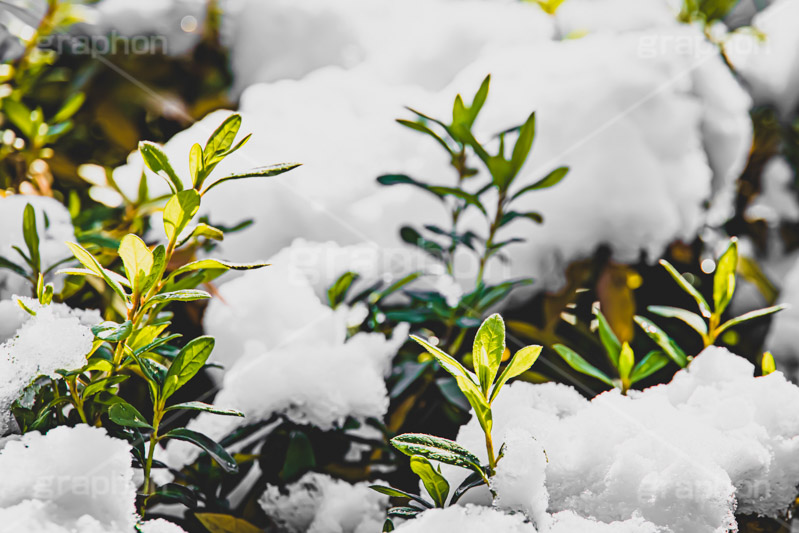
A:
{"points": [[435, 484], [521, 362], [724, 279], [767, 364], [489, 345], [179, 211], [138, 261]]}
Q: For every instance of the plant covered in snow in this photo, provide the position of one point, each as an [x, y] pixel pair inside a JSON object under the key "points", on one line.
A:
{"points": [[481, 388]]}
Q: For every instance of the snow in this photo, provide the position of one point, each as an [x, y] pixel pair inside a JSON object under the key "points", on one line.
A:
{"points": [[477, 519], [416, 42], [159, 526], [770, 67], [71, 480], [781, 338], [318, 503], [653, 128], [54, 226], [684, 455], [56, 338], [282, 345], [776, 201]]}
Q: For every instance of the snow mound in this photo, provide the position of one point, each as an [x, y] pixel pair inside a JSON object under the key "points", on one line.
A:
{"points": [[159, 526], [58, 337], [318, 503], [54, 226], [71, 480], [683, 456], [284, 345], [419, 42], [770, 67]]}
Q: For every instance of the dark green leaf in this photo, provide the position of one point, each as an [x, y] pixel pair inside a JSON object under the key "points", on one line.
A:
{"points": [[579, 364], [213, 448], [260, 172], [31, 236], [208, 408], [436, 449], [124, 414], [651, 363]]}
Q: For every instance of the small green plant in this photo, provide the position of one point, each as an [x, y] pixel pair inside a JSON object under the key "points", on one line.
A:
{"points": [[708, 323], [621, 358], [481, 389], [139, 343]]}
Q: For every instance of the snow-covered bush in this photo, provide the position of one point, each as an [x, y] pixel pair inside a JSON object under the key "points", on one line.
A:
{"points": [[684, 455], [69, 480], [56, 338], [319, 504]]}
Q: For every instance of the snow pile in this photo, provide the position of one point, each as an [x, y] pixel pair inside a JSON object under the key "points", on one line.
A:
{"points": [[652, 128], [318, 503], [776, 201], [284, 346], [54, 226], [478, 519], [683, 456], [418, 42], [56, 338], [579, 17], [159, 526], [519, 479], [71, 480], [770, 67]]}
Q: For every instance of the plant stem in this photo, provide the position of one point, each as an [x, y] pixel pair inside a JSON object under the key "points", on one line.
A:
{"points": [[492, 232], [492, 462]]}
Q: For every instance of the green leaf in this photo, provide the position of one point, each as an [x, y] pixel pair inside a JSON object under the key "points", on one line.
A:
{"points": [[521, 362], [179, 211], [767, 364], [222, 138], [403, 512], [188, 362], [447, 362], [418, 126], [173, 493], [137, 260], [473, 480], [157, 161], [487, 351], [113, 332], [300, 457], [91, 263], [216, 264], [159, 265], [208, 408], [724, 279], [195, 164], [651, 363], [260, 172], [581, 365], [70, 107], [513, 215], [435, 484], [222, 523], [20, 116], [692, 319], [124, 414], [31, 236], [10, 265], [663, 340], [102, 384], [183, 295], [213, 448], [523, 144], [436, 449], [479, 100], [396, 493], [478, 402], [550, 180], [751, 315], [626, 361], [704, 308], [608, 338], [388, 526], [338, 291]]}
